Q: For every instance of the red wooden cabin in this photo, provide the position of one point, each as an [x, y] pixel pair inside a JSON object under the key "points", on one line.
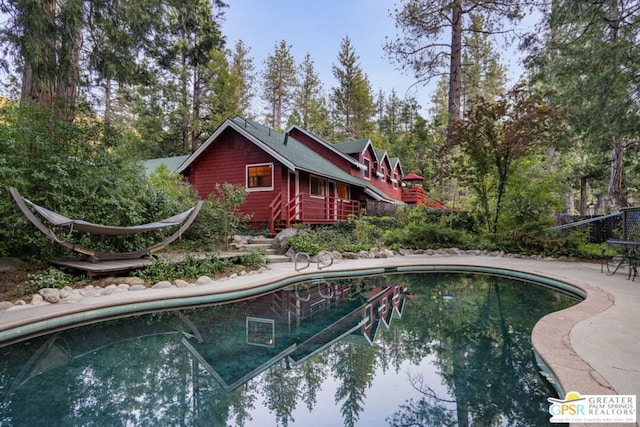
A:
{"points": [[290, 177]]}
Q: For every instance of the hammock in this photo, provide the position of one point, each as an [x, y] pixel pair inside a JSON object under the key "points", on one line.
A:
{"points": [[184, 220]]}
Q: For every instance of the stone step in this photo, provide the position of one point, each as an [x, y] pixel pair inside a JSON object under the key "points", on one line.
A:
{"points": [[248, 247], [261, 241], [274, 259]]}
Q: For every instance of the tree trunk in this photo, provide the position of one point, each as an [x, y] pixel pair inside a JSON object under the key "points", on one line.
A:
{"points": [[184, 102], [68, 69], [583, 196], [195, 110], [108, 110], [455, 67], [617, 185], [38, 70]]}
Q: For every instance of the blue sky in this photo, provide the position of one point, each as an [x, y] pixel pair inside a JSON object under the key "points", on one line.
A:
{"points": [[317, 28]]}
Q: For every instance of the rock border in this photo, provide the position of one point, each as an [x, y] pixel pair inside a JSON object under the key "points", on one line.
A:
{"points": [[114, 285]]}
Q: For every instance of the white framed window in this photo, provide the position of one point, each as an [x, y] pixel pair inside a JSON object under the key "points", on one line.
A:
{"points": [[259, 177], [382, 174], [367, 168], [317, 186], [394, 180]]}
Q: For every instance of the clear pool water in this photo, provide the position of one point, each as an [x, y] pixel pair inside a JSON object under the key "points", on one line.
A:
{"points": [[395, 350]]}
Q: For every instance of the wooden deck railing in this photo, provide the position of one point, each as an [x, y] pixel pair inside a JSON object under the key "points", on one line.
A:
{"points": [[417, 195], [309, 209]]}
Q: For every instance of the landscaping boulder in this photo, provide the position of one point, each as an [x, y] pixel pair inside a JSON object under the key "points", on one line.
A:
{"points": [[163, 284], [282, 237], [51, 295], [5, 305]]}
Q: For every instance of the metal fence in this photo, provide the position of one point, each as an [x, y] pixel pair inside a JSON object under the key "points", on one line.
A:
{"points": [[598, 229]]}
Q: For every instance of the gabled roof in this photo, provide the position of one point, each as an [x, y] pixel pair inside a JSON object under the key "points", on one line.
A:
{"points": [[290, 152], [354, 147], [381, 154], [395, 161], [328, 145]]}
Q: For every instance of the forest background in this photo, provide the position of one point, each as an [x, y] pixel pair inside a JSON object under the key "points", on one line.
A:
{"points": [[93, 87]]}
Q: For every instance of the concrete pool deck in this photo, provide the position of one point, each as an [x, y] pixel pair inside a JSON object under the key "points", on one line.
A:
{"points": [[592, 347]]}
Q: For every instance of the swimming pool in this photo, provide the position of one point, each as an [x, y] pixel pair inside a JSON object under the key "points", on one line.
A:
{"points": [[435, 348]]}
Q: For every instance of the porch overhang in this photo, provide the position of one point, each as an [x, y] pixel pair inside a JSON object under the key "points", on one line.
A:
{"points": [[379, 198]]}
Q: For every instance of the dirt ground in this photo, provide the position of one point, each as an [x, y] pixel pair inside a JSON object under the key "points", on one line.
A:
{"points": [[13, 282]]}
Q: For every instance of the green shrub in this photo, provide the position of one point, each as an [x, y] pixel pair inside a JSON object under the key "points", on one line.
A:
{"points": [[419, 214], [254, 258], [191, 267], [219, 218], [304, 242], [543, 244], [50, 278], [426, 236]]}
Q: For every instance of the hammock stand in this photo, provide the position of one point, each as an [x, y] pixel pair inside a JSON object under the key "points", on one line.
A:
{"points": [[184, 220]]}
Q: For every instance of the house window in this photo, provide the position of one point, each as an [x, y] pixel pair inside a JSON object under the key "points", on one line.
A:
{"points": [[260, 177], [317, 186], [343, 191], [367, 168], [383, 174], [394, 180]]}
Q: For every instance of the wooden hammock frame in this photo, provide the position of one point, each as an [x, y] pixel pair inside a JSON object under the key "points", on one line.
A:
{"points": [[185, 221]]}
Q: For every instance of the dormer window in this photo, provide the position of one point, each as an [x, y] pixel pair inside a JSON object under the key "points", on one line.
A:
{"points": [[367, 168], [382, 174]]}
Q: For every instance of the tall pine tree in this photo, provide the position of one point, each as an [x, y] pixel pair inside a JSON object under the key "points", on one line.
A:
{"points": [[352, 97], [278, 83]]}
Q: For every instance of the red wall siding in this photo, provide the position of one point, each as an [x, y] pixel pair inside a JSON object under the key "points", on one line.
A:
{"points": [[224, 161], [328, 154], [386, 186]]}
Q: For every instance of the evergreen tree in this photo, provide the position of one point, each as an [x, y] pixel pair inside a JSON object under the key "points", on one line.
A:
{"points": [[278, 83], [47, 36], [353, 102], [222, 99], [243, 72], [483, 75], [422, 48], [309, 105], [184, 51], [589, 57]]}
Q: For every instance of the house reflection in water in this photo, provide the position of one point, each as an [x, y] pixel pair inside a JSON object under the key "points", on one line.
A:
{"points": [[291, 324]]}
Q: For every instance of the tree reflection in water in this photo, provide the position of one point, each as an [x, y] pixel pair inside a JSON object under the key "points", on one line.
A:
{"points": [[398, 350]]}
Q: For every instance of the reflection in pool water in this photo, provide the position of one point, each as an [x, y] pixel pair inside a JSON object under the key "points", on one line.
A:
{"points": [[410, 349]]}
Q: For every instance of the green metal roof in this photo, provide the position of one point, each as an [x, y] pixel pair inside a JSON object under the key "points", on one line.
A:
{"points": [[380, 154], [353, 147], [173, 163], [301, 156]]}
